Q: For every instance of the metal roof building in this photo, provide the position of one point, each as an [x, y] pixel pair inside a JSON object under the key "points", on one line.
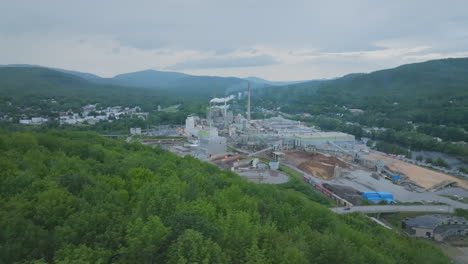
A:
{"points": [[436, 226]]}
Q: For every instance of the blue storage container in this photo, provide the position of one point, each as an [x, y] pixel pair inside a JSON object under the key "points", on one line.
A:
{"points": [[377, 197]]}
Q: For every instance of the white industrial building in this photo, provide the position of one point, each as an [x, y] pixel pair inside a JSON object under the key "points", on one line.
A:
{"points": [[210, 146], [322, 138], [205, 139], [295, 134]]}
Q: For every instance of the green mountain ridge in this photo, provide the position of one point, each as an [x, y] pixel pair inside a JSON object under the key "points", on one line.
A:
{"points": [[33, 84], [174, 82], [84, 75], [434, 92]]}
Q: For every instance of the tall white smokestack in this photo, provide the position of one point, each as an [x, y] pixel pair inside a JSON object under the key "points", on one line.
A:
{"points": [[248, 101]]}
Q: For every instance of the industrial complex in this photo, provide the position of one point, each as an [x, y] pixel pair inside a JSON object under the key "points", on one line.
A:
{"points": [[332, 162]]}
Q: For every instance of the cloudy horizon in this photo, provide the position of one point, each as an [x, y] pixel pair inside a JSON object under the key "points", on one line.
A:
{"points": [[300, 40]]}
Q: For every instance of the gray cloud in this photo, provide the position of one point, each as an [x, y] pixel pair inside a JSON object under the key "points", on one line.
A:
{"points": [[225, 62], [209, 27], [209, 24]]}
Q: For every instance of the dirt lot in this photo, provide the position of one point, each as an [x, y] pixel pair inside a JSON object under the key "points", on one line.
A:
{"points": [[316, 164], [425, 178]]}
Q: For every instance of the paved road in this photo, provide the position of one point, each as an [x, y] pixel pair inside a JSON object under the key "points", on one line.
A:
{"points": [[395, 208]]}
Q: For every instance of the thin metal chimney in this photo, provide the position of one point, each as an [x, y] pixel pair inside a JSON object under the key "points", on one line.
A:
{"points": [[248, 101]]}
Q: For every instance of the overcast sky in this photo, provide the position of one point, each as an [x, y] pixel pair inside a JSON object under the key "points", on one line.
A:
{"points": [[275, 40]]}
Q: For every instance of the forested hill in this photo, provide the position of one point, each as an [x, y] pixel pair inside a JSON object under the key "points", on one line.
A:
{"points": [[429, 92], [40, 81], [29, 86], [79, 198], [183, 84], [173, 83], [179, 83]]}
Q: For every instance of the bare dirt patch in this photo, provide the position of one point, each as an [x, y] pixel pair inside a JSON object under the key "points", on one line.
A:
{"points": [[316, 164]]}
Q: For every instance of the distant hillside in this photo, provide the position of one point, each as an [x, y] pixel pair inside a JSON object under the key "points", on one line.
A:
{"points": [[437, 77], [188, 85], [84, 75], [148, 78], [35, 81], [177, 84], [19, 81], [33, 84], [266, 83], [185, 83], [434, 92]]}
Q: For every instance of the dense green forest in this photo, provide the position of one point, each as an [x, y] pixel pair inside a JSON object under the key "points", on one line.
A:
{"points": [[76, 197]]}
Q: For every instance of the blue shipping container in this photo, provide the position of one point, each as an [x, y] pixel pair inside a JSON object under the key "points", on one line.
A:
{"points": [[376, 197]]}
